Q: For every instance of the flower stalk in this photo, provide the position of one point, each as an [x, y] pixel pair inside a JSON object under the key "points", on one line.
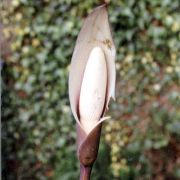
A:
{"points": [[85, 172]]}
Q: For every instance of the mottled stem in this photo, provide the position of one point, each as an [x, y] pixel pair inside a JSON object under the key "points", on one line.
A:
{"points": [[85, 172]]}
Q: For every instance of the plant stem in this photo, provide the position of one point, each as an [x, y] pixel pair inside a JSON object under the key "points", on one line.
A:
{"points": [[85, 172]]}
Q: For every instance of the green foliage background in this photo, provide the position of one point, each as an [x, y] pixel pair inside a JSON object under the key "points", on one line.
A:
{"points": [[38, 131]]}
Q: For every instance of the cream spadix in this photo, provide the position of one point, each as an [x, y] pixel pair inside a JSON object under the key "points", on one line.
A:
{"points": [[93, 89]]}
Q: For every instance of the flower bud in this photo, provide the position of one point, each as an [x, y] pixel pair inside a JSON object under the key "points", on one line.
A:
{"points": [[91, 84]]}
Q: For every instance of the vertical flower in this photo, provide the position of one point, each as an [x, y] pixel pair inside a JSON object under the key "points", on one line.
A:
{"points": [[91, 84]]}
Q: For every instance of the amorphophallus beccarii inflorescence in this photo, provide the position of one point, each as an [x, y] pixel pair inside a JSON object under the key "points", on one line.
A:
{"points": [[91, 84]]}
